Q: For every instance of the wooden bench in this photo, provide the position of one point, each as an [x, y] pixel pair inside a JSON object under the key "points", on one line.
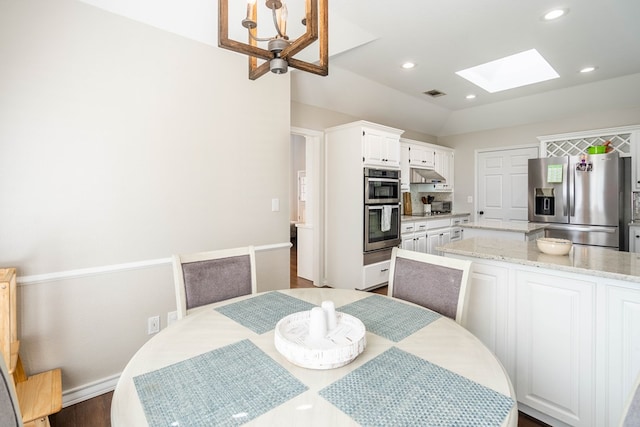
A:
{"points": [[39, 395]]}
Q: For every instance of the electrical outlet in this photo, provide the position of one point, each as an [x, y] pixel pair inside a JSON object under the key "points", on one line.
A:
{"points": [[469, 199], [153, 325], [172, 316]]}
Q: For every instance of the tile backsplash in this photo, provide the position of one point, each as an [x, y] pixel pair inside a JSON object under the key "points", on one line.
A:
{"points": [[416, 199]]}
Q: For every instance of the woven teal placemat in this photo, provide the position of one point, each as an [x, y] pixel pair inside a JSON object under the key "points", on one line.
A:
{"points": [[261, 313], [228, 386], [400, 389], [389, 318]]}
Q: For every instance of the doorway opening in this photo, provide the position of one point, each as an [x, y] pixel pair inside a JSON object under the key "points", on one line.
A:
{"points": [[305, 207]]}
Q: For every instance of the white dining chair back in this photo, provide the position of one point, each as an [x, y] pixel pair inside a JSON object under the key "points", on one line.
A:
{"points": [[206, 277], [631, 411], [9, 409], [435, 282]]}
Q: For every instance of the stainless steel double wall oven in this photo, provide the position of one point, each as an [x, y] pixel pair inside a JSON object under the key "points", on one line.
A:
{"points": [[381, 213]]}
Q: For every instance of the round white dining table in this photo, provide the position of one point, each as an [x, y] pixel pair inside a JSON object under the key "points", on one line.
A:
{"points": [[432, 374]]}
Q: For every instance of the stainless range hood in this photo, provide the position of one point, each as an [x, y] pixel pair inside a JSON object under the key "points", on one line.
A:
{"points": [[426, 176]]}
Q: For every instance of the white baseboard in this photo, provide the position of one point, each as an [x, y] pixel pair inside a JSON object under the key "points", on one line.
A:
{"points": [[88, 391]]}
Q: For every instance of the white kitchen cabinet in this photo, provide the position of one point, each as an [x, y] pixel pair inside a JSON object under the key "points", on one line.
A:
{"points": [[623, 345], [457, 233], [347, 148], [554, 346], [380, 148], [374, 274], [443, 164], [438, 234], [421, 156], [437, 238], [428, 156], [414, 236], [405, 168], [426, 235], [488, 297], [459, 220], [635, 159], [634, 238], [570, 342]]}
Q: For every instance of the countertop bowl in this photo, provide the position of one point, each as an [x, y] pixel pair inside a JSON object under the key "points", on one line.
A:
{"points": [[551, 246]]}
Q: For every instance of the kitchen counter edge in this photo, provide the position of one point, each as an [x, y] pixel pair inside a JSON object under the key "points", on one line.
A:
{"points": [[590, 260], [406, 218], [522, 227]]}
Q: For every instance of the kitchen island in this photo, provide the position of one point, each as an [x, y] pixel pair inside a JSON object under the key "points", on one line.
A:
{"points": [[504, 230], [566, 328]]}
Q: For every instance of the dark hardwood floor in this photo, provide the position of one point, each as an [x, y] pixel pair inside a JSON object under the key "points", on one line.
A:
{"points": [[96, 412]]}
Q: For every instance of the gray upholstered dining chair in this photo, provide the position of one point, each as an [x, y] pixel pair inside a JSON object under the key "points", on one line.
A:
{"points": [[631, 411], [432, 281], [206, 277], [9, 409]]}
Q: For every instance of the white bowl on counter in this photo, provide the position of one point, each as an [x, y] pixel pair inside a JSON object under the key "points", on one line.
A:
{"points": [[551, 246]]}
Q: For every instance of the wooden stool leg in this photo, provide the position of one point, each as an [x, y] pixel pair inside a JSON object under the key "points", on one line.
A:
{"points": [[19, 375]]}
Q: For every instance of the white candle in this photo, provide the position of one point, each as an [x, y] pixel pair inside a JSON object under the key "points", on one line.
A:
{"points": [[317, 323], [330, 312]]}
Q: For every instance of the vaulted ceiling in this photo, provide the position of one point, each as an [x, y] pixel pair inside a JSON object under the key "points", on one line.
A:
{"points": [[370, 39]]}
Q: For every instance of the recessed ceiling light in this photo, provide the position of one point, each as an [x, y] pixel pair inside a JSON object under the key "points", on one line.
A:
{"points": [[513, 71], [408, 65], [588, 69], [471, 96], [554, 14]]}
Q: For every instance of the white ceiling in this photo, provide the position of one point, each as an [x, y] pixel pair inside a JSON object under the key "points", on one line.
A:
{"points": [[370, 39], [443, 37]]}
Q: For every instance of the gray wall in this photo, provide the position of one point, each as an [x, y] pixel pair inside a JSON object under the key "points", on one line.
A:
{"points": [[121, 143]]}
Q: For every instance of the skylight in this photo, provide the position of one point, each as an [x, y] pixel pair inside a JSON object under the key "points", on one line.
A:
{"points": [[513, 71]]}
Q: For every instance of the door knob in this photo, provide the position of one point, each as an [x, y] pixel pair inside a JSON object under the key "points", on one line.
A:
{"points": [[481, 212]]}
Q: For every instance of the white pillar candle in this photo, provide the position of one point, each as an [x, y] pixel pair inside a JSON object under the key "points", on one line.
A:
{"points": [[317, 323], [330, 312]]}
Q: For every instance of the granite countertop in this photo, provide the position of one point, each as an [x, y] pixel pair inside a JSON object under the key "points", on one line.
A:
{"points": [[590, 260], [420, 217], [523, 227]]}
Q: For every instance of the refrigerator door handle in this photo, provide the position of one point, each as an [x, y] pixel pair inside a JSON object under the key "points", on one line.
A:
{"points": [[585, 228], [572, 189]]}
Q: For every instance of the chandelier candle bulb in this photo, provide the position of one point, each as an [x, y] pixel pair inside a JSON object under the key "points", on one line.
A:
{"points": [[330, 312], [317, 324]]}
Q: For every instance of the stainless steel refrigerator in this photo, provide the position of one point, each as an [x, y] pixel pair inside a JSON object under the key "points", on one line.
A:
{"points": [[583, 198]]}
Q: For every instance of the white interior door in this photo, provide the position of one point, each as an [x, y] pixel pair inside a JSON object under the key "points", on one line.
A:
{"points": [[312, 247], [302, 196], [502, 183]]}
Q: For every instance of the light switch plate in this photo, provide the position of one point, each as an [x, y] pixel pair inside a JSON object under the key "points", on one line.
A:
{"points": [[275, 205]]}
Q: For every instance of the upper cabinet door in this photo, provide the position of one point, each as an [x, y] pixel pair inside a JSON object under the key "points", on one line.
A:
{"points": [[421, 157], [380, 149], [635, 159]]}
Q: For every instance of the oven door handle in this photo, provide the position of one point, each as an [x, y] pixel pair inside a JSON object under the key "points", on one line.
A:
{"points": [[381, 206], [383, 179]]}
